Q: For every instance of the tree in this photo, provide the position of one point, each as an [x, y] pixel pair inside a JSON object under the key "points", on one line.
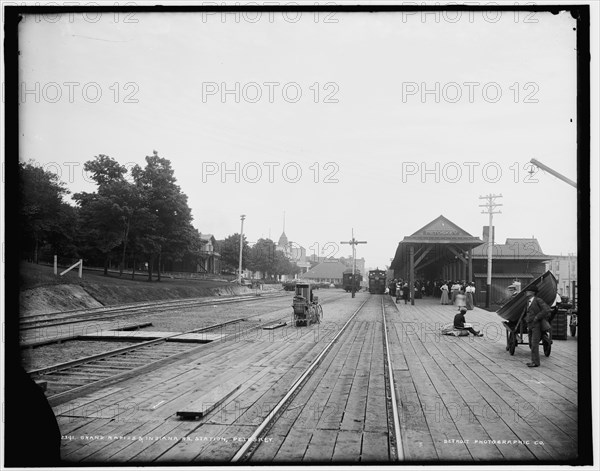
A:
{"points": [[262, 256], [105, 215], [171, 233], [230, 252], [265, 257], [105, 169], [283, 265], [44, 216]]}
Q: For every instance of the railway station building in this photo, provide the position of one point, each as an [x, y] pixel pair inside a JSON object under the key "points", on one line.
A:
{"points": [[328, 271], [441, 250]]}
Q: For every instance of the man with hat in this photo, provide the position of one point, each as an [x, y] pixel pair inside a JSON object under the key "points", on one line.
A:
{"points": [[536, 318], [459, 323]]}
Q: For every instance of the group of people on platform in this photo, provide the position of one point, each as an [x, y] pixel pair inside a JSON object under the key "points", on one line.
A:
{"points": [[457, 293], [400, 289], [421, 288]]}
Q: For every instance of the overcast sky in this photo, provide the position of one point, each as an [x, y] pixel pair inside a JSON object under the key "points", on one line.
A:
{"points": [[337, 98]]}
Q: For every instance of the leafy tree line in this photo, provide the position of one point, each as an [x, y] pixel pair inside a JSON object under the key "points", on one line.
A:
{"points": [[130, 220], [262, 256]]}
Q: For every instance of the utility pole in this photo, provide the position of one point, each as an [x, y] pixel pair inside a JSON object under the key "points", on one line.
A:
{"points": [[354, 243], [490, 206], [242, 217]]}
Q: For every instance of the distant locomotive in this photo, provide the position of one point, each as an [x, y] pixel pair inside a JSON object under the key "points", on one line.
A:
{"points": [[377, 280], [348, 280]]}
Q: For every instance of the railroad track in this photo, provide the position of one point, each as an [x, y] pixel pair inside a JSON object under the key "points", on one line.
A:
{"points": [[99, 314], [244, 454], [65, 381]]}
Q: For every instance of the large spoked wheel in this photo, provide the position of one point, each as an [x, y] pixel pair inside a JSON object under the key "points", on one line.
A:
{"points": [[512, 343]]}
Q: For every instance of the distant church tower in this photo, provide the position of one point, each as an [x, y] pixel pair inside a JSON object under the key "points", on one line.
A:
{"points": [[283, 242]]}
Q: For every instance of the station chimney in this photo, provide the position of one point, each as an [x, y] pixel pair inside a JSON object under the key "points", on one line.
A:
{"points": [[486, 231]]}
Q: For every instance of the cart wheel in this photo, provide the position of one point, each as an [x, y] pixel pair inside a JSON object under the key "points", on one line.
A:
{"points": [[547, 342], [512, 343], [573, 330]]}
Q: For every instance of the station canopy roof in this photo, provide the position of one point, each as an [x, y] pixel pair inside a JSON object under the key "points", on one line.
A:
{"points": [[434, 241]]}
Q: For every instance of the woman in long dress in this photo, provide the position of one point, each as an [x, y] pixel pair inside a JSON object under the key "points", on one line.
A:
{"points": [[470, 292], [444, 299]]}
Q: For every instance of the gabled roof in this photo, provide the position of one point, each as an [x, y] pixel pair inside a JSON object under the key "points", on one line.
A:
{"points": [[442, 231], [513, 249], [206, 237], [438, 234], [326, 269]]}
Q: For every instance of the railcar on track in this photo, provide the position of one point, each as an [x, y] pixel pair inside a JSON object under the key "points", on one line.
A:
{"points": [[349, 280], [377, 281]]}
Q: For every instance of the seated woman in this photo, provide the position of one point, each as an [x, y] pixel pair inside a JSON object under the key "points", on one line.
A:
{"points": [[459, 323]]}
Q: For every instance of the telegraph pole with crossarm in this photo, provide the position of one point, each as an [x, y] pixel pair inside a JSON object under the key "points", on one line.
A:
{"points": [[354, 243], [490, 206]]}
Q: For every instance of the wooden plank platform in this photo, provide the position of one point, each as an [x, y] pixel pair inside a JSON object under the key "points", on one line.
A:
{"points": [[461, 399], [467, 398]]}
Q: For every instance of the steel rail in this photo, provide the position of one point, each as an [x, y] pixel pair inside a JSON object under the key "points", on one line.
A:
{"points": [[397, 434], [65, 396], [94, 385], [46, 321], [299, 382], [119, 351]]}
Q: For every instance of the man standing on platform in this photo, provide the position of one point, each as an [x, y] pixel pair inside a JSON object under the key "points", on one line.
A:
{"points": [[536, 317]]}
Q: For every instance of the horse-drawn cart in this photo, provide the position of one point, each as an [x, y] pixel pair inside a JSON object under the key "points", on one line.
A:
{"points": [[307, 309], [514, 313]]}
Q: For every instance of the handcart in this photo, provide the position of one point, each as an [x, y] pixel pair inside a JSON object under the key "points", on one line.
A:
{"points": [[514, 313], [515, 333]]}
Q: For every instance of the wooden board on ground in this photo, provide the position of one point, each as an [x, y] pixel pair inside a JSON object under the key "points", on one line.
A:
{"points": [[209, 402], [274, 326]]}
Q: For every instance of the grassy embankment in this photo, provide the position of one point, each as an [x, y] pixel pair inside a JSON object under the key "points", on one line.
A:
{"points": [[39, 286]]}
